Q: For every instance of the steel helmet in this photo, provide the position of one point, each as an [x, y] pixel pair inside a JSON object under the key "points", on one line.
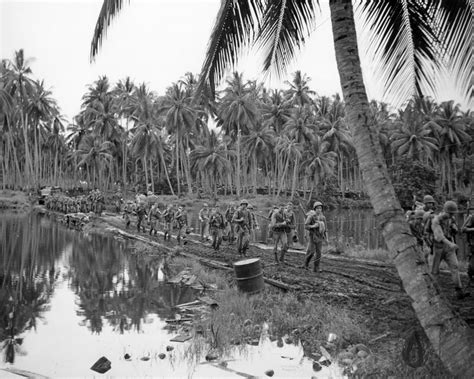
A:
{"points": [[250, 206], [419, 213], [317, 204], [243, 201], [450, 207], [428, 199]]}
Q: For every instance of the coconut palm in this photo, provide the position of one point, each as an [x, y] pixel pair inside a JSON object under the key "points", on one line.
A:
{"points": [[95, 155], [212, 159], [237, 114], [299, 93], [275, 111]]}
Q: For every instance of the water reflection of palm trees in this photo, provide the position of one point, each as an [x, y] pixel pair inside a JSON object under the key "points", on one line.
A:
{"points": [[119, 288], [28, 251]]}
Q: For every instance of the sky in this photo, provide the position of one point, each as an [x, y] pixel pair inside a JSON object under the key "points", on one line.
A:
{"points": [[152, 41]]}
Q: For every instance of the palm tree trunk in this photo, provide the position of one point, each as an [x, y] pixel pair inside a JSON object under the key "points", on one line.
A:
{"points": [[293, 184], [282, 181], [166, 172], [177, 164], [450, 336], [237, 174]]}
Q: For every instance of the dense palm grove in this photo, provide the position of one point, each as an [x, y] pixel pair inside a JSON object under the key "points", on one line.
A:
{"points": [[247, 138]]}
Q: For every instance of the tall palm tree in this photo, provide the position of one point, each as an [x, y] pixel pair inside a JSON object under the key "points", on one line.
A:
{"points": [[238, 112], [95, 155], [406, 35], [299, 93]]}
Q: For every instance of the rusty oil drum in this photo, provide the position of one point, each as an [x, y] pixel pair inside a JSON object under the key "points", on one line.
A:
{"points": [[249, 275]]}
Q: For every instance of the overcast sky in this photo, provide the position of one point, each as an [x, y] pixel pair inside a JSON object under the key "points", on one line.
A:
{"points": [[154, 41]]}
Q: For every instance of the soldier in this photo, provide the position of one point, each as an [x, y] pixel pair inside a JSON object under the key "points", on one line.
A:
{"points": [[444, 248], [429, 209], [315, 223], [118, 202], [243, 223], [141, 213], [291, 221], [254, 224], [280, 228], [468, 228], [154, 218], [168, 216], [127, 211], [274, 209], [416, 226], [229, 214], [204, 222], [181, 219], [217, 226]]}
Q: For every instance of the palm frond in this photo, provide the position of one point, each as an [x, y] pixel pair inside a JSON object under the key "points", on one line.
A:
{"points": [[285, 26], [109, 10], [233, 29]]}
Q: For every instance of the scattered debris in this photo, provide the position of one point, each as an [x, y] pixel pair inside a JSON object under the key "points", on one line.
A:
{"points": [[102, 365], [127, 357], [317, 367], [180, 338], [269, 373], [145, 358], [169, 348], [211, 356], [162, 356]]}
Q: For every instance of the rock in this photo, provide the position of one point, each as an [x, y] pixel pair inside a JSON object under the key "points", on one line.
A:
{"points": [[169, 348], [145, 358], [162, 355], [211, 357], [269, 373], [102, 365], [127, 356], [362, 354], [317, 367], [247, 322], [361, 346]]}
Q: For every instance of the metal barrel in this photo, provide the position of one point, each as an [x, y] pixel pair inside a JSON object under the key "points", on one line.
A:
{"points": [[249, 275]]}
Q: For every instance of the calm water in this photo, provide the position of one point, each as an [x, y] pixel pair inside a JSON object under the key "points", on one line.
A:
{"points": [[67, 299], [350, 228]]}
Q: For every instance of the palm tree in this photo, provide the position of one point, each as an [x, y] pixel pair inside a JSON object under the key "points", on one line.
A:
{"points": [[407, 35], [299, 93], [94, 154], [238, 113], [211, 159]]}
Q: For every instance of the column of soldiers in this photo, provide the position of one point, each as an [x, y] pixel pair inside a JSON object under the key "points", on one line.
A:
{"points": [[93, 202], [435, 235]]}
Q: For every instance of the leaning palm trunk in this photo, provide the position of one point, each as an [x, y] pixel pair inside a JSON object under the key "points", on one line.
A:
{"points": [[450, 336]]}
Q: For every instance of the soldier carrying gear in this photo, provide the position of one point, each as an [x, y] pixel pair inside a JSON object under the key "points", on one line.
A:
{"points": [[243, 223], [154, 218], [280, 229], [217, 226], [254, 224], [315, 224], [416, 226], [127, 211], [229, 214], [444, 230], [429, 202], [291, 221], [204, 222], [168, 216], [181, 219], [141, 213], [468, 229]]}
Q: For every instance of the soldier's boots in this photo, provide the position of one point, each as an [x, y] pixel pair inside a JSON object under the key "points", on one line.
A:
{"points": [[282, 256], [276, 256]]}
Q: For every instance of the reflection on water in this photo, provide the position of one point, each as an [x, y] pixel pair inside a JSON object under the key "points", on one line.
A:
{"points": [[67, 299], [348, 227]]}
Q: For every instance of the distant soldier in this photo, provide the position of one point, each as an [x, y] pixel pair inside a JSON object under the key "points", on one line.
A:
{"points": [[217, 226], [416, 226], [444, 248], [154, 218], [429, 209], [468, 228], [243, 223], [118, 202], [181, 219], [270, 214], [315, 224], [204, 222], [291, 221], [127, 211], [254, 225], [229, 214], [141, 214], [168, 217]]}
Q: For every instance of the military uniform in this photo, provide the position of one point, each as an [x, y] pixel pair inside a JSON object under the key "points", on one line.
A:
{"points": [[153, 219], [204, 222], [315, 223], [243, 223], [181, 220], [279, 228], [217, 225], [168, 217], [468, 228], [141, 213], [229, 214]]}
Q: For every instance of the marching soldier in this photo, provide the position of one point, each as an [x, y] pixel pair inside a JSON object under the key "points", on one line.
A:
{"points": [[229, 214], [181, 219], [416, 226], [141, 213], [168, 217], [315, 223], [243, 223], [468, 228], [127, 211], [204, 222], [291, 221], [429, 209], [280, 229], [154, 218], [254, 224], [217, 226], [444, 248]]}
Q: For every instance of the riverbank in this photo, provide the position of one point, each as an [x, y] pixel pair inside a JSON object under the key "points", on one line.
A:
{"points": [[367, 292], [14, 200]]}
